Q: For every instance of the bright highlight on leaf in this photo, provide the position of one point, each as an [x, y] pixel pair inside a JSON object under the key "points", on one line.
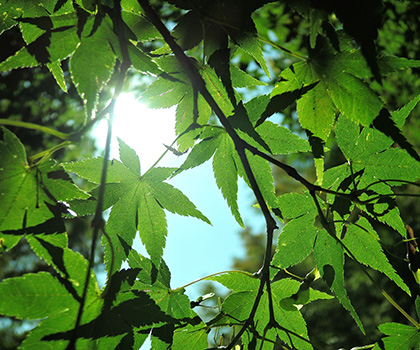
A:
{"points": [[332, 177], [137, 204]]}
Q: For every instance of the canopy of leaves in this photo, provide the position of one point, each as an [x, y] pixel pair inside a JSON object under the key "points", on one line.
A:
{"points": [[201, 66]]}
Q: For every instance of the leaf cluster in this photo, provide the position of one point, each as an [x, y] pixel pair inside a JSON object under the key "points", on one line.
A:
{"points": [[332, 84]]}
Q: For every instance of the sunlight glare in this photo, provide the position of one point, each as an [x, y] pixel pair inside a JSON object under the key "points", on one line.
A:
{"points": [[145, 130]]}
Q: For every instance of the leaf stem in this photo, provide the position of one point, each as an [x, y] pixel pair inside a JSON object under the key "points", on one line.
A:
{"points": [[160, 157], [98, 222], [32, 126], [282, 48], [212, 275], [198, 83], [44, 155]]}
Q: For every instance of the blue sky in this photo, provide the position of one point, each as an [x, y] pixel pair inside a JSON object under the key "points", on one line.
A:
{"points": [[194, 249]]}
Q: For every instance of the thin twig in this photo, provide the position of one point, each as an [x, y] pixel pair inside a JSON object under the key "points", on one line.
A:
{"points": [[198, 83], [98, 222]]}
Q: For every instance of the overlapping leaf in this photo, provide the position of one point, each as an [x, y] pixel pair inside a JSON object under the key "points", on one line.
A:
{"points": [[340, 87], [30, 195], [237, 306], [137, 204], [363, 242], [370, 156], [297, 237], [47, 43], [329, 258], [41, 295], [303, 235], [173, 303]]}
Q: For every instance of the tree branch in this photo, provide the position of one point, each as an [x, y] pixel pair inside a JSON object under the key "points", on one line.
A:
{"points": [[198, 83], [98, 222]]}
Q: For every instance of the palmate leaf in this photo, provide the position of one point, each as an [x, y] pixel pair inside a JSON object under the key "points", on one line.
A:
{"points": [[297, 237], [41, 295], [289, 319], [227, 165], [339, 87], [92, 64], [218, 143], [237, 306], [51, 44], [138, 203], [30, 194], [363, 242], [302, 235], [370, 154], [329, 258]]}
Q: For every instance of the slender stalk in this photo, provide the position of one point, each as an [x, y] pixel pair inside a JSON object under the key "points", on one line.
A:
{"points": [[212, 275], [98, 222], [198, 83], [32, 126], [47, 153]]}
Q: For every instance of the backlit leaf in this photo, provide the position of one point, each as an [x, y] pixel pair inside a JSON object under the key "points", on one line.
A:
{"points": [[329, 258], [92, 64], [226, 174], [364, 244], [30, 194]]}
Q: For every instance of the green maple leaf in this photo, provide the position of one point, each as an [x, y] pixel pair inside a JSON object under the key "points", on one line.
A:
{"points": [[227, 166], [289, 318], [340, 87], [301, 236], [298, 235], [237, 306], [138, 204], [92, 63], [363, 242], [329, 258], [56, 299], [398, 337], [30, 194], [369, 154]]}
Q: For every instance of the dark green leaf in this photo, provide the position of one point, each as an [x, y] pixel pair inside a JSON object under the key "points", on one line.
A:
{"points": [[399, 337]]}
